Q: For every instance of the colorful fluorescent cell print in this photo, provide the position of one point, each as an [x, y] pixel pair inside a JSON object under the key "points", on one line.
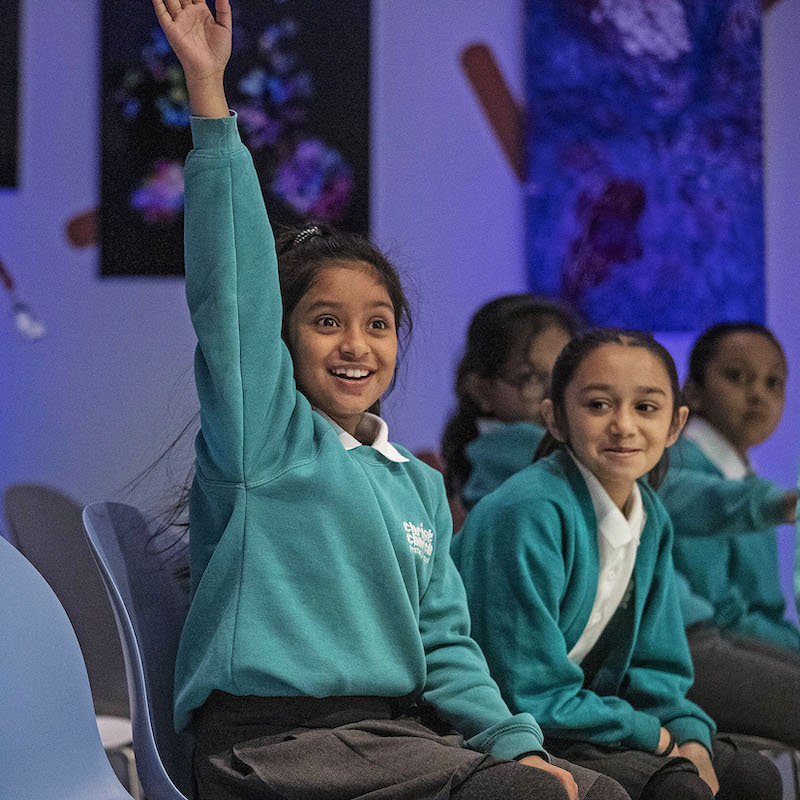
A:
{"points": [[298, 79], [645, 188]]}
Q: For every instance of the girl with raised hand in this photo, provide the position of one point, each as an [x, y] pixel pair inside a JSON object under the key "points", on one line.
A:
{"points": [[746, 654], [512, 344], [569, 576], [326, 652]]}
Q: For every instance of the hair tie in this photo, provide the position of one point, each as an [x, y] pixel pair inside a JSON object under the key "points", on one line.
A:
{"points": [[307, 233]]}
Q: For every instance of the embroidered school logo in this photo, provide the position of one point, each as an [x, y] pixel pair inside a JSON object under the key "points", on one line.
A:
{"points": [[420, 540]]}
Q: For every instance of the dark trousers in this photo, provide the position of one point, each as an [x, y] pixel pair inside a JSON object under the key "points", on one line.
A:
{"points": [[746, 686], [742, 774], [343, 748]]}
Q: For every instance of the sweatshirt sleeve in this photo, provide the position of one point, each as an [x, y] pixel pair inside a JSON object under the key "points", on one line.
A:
{"points": [[458, 682], [661, 670], [703, 504], [512, 557], [243, 370]]}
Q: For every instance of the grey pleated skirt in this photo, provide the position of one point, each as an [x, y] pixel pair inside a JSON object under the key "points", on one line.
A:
{"points": [[346, 748]]}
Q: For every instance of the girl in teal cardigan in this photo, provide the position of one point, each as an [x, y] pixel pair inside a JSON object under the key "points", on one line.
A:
{"points": [[326, 651], [512, 344], [568, 570], [746, 653]]}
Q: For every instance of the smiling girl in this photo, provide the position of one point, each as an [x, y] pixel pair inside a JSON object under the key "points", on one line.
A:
{"points": [[326, 652], [568, 570]]}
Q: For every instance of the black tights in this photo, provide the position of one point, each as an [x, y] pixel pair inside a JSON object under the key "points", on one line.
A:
{"points": [[749, 776]]}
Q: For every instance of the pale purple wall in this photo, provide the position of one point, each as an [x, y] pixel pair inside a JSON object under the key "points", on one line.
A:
{"points": [[90, 405]]}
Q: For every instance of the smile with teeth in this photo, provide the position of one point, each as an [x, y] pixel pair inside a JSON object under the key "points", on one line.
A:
{"points": [[351, 374]]}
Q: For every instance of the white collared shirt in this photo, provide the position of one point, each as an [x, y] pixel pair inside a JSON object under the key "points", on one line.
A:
{"points": [[375, 427], [617, 542], [717, 449]]}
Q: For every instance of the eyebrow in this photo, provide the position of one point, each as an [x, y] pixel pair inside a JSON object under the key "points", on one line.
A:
{"points": [[605, 387], [334, 304]]}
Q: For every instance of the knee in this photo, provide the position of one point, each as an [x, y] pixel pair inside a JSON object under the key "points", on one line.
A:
{"points": [[605, 788], [750, 777], [670, 785]]}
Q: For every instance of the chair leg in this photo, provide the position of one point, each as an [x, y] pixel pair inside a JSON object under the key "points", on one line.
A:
{"points": [[124, 765]]}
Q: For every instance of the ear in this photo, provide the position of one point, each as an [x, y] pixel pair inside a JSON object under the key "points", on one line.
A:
{"points": [[692, 395], [479, 391], [549, 414], [677, 425]]}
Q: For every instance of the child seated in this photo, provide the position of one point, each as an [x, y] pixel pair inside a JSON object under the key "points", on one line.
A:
{"points": [[746, 654]]}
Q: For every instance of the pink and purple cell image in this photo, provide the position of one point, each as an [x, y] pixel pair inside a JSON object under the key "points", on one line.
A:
{"points": [[298, 79], [645, 182]]}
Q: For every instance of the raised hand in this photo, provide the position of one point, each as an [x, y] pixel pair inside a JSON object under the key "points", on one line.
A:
{"points": [[202, 42]]}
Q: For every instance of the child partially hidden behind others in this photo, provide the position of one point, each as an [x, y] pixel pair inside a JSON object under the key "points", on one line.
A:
{"points": [[746, 654]]}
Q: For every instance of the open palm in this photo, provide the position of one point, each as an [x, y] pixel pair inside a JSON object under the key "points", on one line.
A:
{"points": [[201, 41]]}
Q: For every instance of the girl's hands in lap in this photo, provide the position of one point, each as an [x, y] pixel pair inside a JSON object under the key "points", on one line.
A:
{"points": [[567, 781]]}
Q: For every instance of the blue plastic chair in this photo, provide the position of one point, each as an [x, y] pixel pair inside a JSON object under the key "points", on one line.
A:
{"points": [[49, 743], [150, 608]]}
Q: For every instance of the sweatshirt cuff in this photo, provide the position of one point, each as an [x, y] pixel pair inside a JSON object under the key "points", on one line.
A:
{"points": [[773, 508], [219, 135], [645, 734], [685, 729], [514, 737]]}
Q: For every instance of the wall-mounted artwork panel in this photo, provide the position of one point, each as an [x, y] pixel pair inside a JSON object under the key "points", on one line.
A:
{"points": [[645, 187], [10, 13], [299, 81]]}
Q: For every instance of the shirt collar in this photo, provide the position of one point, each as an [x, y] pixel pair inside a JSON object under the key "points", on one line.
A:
{"points": [[717, 449], [488, 425], [376, 428], [611, 522]]}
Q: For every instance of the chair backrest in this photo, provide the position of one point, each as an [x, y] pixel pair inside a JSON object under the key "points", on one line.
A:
{"points": [[150, 606], [49, 743], [46, 527]]}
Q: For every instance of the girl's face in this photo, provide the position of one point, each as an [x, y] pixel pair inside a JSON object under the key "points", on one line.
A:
{"points": [[743, 391], [618, 416], [516, 394], [343, 341]]}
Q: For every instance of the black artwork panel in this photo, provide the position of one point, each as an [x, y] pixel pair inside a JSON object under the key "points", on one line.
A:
{"points": [[9, 91], [299, 80]]}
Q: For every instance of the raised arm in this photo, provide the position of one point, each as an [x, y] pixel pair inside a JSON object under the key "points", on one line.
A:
{"points": [[243, 371]]}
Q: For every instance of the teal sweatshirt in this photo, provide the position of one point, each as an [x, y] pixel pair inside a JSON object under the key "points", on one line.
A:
{"points": [[497, 455], [738, 573], [529, 558], [317, 571]]}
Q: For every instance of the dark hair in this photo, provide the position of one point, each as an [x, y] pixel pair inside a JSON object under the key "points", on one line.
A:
{"points": [[573, 355], [495, 328], [707, 344], [302, 254]]}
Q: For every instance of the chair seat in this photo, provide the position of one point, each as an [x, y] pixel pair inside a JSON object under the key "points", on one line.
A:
{"points": [[114, 731]]}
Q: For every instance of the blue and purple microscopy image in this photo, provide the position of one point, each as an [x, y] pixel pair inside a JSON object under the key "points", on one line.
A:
{"points": [[645, 183]]}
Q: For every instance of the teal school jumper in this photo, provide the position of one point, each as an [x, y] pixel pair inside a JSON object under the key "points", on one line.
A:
{"points": [[497, 455], [738, 573], [317, 571], [529, 558]]}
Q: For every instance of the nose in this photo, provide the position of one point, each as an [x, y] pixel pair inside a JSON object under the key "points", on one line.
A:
{"points": [[353, 343], [621, 422]]}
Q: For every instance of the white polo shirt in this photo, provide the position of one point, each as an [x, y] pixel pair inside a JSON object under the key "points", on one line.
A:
{"points": [[617, 541], [378, 431], [717, 449]]}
